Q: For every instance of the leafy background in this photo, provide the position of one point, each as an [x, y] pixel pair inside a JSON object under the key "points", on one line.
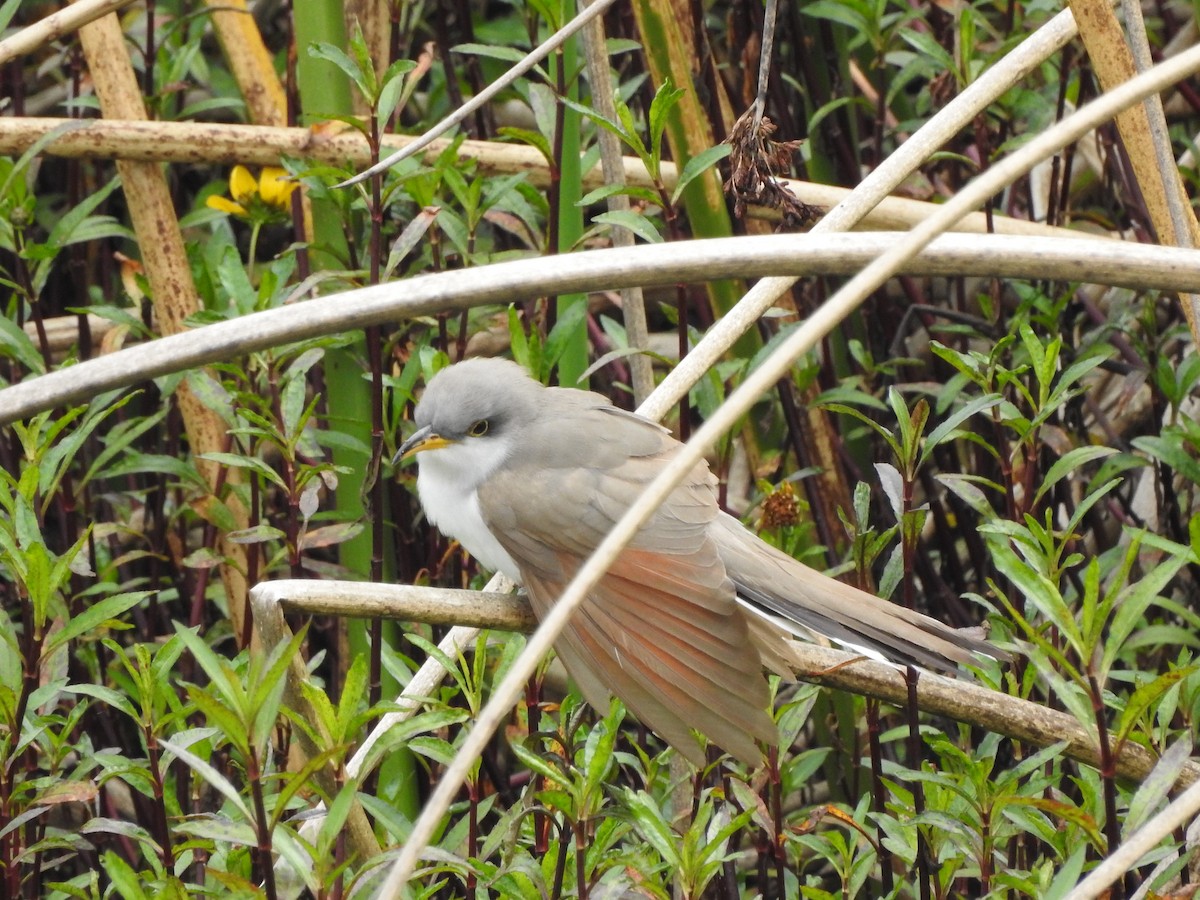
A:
{"points": [[960, 444]]}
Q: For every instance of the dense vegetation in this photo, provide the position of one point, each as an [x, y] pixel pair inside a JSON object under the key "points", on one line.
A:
{"points": [[1020, 449]]}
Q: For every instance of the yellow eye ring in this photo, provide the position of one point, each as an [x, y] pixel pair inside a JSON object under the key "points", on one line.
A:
{"points": [[478, 429]]}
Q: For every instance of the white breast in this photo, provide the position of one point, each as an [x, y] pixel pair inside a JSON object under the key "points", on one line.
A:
{"points": [[453, 506]]}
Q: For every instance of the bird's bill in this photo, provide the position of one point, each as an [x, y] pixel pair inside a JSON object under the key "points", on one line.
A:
{"points": [[421, 440]]}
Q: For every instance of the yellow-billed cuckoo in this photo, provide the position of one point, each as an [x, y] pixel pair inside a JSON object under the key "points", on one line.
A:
{"points": [[530, 479]]}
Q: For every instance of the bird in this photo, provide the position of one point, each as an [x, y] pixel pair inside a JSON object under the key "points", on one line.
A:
{"points": [[529, 479]]}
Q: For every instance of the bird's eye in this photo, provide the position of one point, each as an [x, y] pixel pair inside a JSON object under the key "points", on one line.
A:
{"points": [[478, 429]]}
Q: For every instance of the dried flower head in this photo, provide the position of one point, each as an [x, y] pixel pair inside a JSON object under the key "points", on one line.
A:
{"points": [[754, 163]]}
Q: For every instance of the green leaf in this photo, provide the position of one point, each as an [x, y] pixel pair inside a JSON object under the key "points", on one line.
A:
{"points": [[635, 222], [337, 56], [1134, 602], [93, 617], [61, 234], [409, 238], [96, 228], [16, 343], [492, 51], [365, 65], [113, 698], [532, 138], [598, 751], [620, 353], [1168, 448], [237, 461], [451, 666], [960, 415], [434, 748], [649, 821], [232, 276], [393, 95], [130, 830], [211, 776], [267, 681], [828, 109], [562, 802], [1090, 499], [37, 581], [402, 733], [59, 457], [615, 46], [697, 166], [7, 11], [923, 42], [629, 138], [224, 718], [1044, 357], [338, 812], [912, 428], [537, 764], [1030, 764], [611, 190], [218, 669], [887, 436], [967, 489], [1067, 874], [37, 147], [666, 98], [1070, 462], [154, 463], [713, 846], [222, 830], [453, 227], [1156, 788], [1041, 593], [127, 882]]}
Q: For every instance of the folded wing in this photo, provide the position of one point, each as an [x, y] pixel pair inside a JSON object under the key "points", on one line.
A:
{"points": [[663, 629]]}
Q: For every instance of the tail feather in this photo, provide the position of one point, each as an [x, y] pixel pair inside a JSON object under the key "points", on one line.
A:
{"points": [[784, 589]]}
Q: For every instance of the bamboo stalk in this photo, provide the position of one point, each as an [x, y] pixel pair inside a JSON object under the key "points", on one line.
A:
{"points": [[1161, 189], [1077, 259], [272, 629], [671, 56], [252, 145], [65, 21], [959, 699], [1089, 261], [633, 304], [249, 61], [165, 262]]}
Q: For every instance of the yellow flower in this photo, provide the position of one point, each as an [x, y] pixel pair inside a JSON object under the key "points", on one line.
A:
{"points": [[275, 187], [261, 200]]}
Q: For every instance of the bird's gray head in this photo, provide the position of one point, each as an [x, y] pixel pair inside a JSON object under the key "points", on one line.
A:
{"points": [[471, 414]]}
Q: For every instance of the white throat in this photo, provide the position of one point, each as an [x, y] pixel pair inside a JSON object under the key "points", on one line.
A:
{"points": [[447, 484]]}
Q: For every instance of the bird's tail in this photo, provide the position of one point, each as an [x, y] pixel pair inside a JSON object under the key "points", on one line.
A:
{"points": [[798, 598]]}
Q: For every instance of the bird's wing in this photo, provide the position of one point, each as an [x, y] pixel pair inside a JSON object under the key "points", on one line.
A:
{"points": [[663, 629], [791, 591]]}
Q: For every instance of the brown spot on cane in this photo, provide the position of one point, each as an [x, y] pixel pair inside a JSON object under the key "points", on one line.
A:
{"points": [[832, 669]]}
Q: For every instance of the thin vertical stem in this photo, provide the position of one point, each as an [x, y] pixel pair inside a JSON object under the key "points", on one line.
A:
{"points": [[878, 802], [924, 873]]}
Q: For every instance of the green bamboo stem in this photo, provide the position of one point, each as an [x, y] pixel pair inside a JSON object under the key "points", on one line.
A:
{"points": [[688, 133], [326, 91], [574, 360]]}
